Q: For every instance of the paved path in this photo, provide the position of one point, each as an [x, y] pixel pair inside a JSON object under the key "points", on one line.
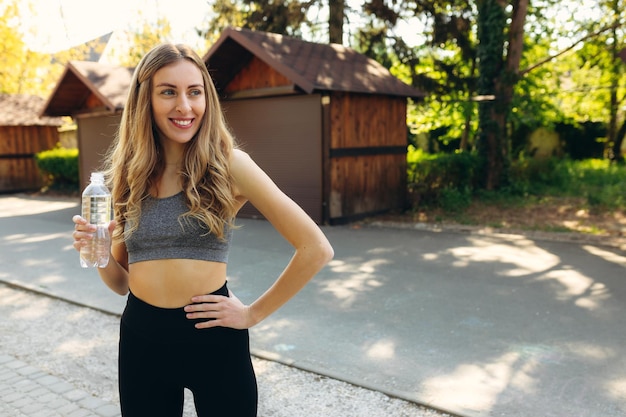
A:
{"points": [[72, 351], [474, 324], [27, 391]]}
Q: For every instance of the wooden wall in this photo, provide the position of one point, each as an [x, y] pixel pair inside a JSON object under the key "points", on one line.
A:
{"points": [[367, 155], [95, 133], [257, 74], [363, 147], [18, 146]]}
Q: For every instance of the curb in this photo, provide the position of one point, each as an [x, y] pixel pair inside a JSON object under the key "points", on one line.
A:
{"points": [[580, 238]]}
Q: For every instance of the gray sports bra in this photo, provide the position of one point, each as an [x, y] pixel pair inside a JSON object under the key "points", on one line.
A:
{"points": [[161, 235]]}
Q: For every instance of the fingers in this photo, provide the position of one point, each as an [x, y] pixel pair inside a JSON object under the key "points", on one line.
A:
{"points": [[112, 225], [80, 222], [83, 232], [219, 310], [79, 219], [206, 307]]}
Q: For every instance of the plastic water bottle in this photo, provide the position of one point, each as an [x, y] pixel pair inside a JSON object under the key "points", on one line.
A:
{"points": [[96, 209]]}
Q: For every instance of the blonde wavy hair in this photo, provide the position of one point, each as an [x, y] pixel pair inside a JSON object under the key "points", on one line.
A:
{"points": [[133, 164]]}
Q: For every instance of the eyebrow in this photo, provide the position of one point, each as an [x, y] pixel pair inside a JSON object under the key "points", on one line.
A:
{"points": [[174, 86]]}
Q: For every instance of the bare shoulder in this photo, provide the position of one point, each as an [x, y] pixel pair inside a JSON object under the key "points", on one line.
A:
{"points": [[239, 158], [249, 179], [253, 184], [244, 170]]}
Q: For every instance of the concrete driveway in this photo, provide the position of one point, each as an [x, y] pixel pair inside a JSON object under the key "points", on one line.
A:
{"points": [[469, 323]]}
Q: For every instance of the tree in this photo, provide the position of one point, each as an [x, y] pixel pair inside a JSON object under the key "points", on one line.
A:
{"points": [[593, 73], [498, 71], [470, 64], [615, 46], [142, 39], [21, 71], [292, 18], [283, 17], [489, 36]]}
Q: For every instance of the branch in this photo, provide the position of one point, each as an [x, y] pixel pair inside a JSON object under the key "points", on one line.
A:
{"points": [[569, 48]]}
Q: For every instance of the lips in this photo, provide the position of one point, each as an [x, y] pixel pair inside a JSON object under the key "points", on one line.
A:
{"points": [[182, 123]]}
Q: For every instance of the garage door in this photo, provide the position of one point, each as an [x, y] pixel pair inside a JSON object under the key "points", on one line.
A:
{"points": [[284, 137]]}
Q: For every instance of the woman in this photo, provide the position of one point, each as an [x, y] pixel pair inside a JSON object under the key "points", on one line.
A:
{"points": [[178, 181]]}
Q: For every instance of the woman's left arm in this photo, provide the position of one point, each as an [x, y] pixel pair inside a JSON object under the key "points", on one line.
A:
{"points": [[312, 249]]}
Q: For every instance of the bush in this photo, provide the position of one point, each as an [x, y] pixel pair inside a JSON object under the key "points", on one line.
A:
{"points": [[442, 179], [529, 176], [450, 181], [59, 167], [454, 200], [599, 181]]}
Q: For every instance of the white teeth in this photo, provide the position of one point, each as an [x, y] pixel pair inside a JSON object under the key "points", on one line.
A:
{"points": [[182, 122]]}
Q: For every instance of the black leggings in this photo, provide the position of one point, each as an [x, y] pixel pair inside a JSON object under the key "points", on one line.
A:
{"points": [[161, 353]]}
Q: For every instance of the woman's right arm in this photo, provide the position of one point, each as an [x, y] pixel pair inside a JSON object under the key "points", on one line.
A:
{"points": [[115, 274]]}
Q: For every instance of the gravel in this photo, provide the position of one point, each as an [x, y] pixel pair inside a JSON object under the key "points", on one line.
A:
{"points": [[79, 345]]}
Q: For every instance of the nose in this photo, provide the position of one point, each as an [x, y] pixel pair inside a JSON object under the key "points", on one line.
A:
{"points": [[182, 104]]}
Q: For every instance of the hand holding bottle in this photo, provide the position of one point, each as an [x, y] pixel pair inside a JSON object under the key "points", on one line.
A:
{"points": [[85, 233], [95, 245]]}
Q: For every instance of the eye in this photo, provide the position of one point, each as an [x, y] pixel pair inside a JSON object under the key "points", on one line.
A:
{"points": [[195, 92], [168, 92]]}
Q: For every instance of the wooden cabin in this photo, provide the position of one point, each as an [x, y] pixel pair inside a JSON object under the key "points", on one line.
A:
{"points": [[94, 95], [23, 133], [326, 123]]}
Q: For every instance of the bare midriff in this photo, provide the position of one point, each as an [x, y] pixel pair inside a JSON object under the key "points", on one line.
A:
{"points": [[170, 283]]}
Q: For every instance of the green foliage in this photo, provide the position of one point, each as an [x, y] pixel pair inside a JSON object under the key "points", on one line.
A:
{"points": [[601, 183], [284, 17], [60, 167], [142, 39], [531, 176], [443, 180], [23, 71], [454, 200], [18, 66], [449, 181], [598, 180]]}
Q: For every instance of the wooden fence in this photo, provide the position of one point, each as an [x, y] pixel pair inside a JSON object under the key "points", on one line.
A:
{"points": [[18, 146]]}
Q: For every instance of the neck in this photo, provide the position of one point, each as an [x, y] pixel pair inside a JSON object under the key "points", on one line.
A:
{"points": [[172, 153]]}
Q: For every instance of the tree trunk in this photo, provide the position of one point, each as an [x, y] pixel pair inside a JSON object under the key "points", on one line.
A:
{"points": [[497, 79], [615, 137], [491, 24], [335, 21], [616, 150], [468, 113]]}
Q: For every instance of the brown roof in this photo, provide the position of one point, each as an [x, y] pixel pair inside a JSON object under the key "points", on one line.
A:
{"points": [[311, 66], [82, 80], [24, 110]]}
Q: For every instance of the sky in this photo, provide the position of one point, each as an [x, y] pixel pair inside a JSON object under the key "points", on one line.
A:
{"points": [[61, 24]]}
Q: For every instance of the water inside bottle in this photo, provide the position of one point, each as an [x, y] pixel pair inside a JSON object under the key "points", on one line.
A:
{"points": [[96, 253], [97, 209]]}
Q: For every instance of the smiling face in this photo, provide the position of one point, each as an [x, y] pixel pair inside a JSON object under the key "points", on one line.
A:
{"points": [[178, 101]]}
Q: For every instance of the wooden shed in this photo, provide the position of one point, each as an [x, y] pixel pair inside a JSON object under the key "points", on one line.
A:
{"points": [[326, 123], [23, 133], [94, 95]]}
